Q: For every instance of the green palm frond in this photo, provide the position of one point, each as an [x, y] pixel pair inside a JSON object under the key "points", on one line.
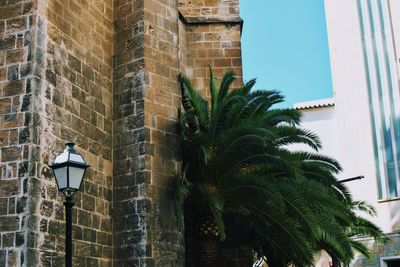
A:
{"points": [[239, 161], [182, 191], [331, 233], [324, 161], [227, 80], [244, 90], [194, 104], [363, 227], [289, 230], [292, 135], [213, 91], [278, 116], [361, 248], [273, 97], [364, 207]]}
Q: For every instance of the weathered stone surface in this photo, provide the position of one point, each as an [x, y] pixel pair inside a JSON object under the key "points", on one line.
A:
{"points": [[7, 42], [209, 10], [11, 153], [7, 240], [13, 88], [5, 105], [9, 223], [19, 239], [13, 72], [102, 74], [3, 206], [9, 187], [3, 257], [62, 68]]}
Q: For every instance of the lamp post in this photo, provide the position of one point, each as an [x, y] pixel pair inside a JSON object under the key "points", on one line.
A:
{"points": [[69, 168]]}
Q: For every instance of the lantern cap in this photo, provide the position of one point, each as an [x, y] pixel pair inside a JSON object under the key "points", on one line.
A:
{"points": [[70, 146], [69, 156]]}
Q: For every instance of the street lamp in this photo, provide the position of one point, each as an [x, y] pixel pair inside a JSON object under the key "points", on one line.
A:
{"points": [[69, 168]]}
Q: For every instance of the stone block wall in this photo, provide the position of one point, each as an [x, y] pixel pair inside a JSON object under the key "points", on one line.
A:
{"points": [[18, 156], [210, 10], [103, 74], [131, 179], [56, 87], [379, 250], [162, 100], [76, 104], [213, 31], [146, 99], [217, 45], [153, 44]]}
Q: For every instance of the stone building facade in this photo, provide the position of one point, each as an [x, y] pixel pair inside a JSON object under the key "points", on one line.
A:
{"points": [[102, 73]]}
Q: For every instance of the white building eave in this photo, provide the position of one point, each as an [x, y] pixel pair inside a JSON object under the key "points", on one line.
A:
{"points": [[320, 103]]}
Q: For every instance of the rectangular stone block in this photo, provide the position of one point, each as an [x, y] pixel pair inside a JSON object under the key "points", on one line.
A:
{"points": [[11, 154], [10, 12], [18, 24], [7, 42], [12, 88], [9, 223], [9, 187], [5, 105]]}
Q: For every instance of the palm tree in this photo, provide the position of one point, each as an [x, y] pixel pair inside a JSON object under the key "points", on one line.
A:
{"points": [[239, 171]]}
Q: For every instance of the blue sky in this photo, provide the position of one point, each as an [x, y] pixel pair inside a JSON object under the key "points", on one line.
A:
{"points": [[284, 46]]}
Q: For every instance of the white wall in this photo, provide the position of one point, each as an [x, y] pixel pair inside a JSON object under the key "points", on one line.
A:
{"points": [[322, 121]]}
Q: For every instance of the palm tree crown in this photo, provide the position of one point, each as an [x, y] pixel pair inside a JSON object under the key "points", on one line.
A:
{"points": [[238, 167]]}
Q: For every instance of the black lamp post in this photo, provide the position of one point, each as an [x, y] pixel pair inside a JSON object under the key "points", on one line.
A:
{"points": [[69, 168]]}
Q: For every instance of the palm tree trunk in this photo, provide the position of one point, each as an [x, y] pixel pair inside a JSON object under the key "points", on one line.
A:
{"points": [[335, 262], [208, 252], [207, 235]]}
